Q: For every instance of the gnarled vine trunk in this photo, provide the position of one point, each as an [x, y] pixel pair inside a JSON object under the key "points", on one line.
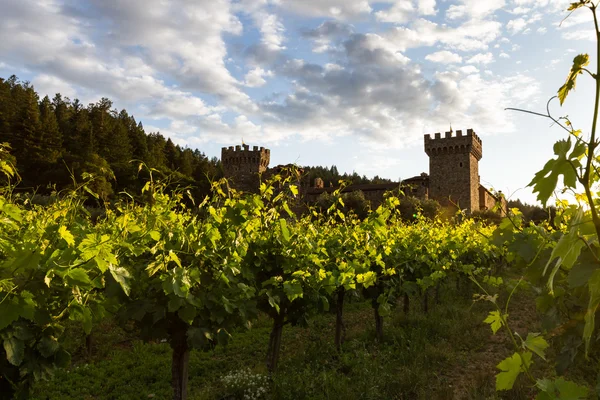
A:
{"points": [[378, 320], [179, 362], [340, 328], [275, 342]]}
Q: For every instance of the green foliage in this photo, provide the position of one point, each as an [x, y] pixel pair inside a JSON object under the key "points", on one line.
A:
{"points": [[558, 258], [579, 63], [53, 140]]}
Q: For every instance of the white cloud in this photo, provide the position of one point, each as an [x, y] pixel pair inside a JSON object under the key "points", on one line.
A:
{"points": [[516, 25], [179, 62], [50, 85], [469, 69], [400, 12], [427, 7], [339, 9], [476, 9], [255, 77], [520, 10], [542, 30], [503, 55], [578, 35], [481, 58], [444, 57], [470, 36]]}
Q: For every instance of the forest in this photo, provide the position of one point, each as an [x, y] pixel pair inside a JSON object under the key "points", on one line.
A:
{"points": [[56, 140]]}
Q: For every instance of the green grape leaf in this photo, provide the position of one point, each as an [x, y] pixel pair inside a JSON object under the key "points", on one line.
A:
{"points": [[582, 271], [560, 389], [495, 320], [9, 312], [187, 313], [67, 236], [537, 344], [567, 250], [544, 182], [12, 211], [78, 277], [154, 235], [15, 350], [48, 346], [579, 62], [511, 367], [122, 276], [576, 5], [285, 232], [273, 301], [77, 312], [367, 279], [590, 315], [293, 290]]}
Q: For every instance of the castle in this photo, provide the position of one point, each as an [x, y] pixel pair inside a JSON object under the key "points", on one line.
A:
{"points": [[453, 178]]}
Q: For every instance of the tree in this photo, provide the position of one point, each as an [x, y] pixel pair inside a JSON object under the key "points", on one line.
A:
{"points": [[51, 137]]}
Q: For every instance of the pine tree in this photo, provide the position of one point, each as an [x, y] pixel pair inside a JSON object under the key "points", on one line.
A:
{"points": [[118, 149], [156, 150], [172, 154], [51, 138], [187, 162], [27, 130]]}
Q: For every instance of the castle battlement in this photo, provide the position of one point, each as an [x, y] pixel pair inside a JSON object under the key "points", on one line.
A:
{"points": [[240, 155], [458, 144]]}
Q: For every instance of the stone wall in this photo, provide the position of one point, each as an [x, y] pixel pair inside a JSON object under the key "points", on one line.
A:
{"points": [[487, 200], [454, 169], [242, 166]]}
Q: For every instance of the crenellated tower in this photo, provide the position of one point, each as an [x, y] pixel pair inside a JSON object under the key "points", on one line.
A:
{"points": [[242, 166], [454, 168]]}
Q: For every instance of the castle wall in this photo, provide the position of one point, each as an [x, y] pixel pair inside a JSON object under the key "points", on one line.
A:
{"points": [[453, 173], [454, 169], [242, 166], [486, 200]]}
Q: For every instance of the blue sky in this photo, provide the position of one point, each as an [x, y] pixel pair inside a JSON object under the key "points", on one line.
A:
{"points": [[355, 83]]}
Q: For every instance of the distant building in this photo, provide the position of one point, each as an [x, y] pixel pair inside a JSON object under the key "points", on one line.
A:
{"points": [[453, 178]]}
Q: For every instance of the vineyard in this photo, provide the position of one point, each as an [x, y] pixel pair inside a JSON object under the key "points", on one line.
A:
{"points": [[195, 274], [370, 307]]}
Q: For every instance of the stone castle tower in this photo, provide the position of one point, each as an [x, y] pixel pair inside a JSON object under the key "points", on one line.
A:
{"points": [[243, 166], [454, 169]]}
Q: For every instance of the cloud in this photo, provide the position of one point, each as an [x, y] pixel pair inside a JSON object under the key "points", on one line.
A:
{"points": [[50, 85], [470, 36], [444, 57], [327, 32], [191, 65], [516, 25], [338, 9], [427, 7], [475, 9], [579, 35], [400, 12], [481, 58], [255, 77]]}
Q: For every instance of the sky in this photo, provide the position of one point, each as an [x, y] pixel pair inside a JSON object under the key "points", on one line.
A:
{"points": [[351, 83]]}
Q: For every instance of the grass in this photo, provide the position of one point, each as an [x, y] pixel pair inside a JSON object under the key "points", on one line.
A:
{"points": [[447, 353]]}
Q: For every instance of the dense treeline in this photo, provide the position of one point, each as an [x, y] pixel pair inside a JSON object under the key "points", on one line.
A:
{"points": [[52, 139], [331, 176]]}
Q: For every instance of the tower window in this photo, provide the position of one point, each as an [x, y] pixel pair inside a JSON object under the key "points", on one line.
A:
{"points": [[460, 164]]}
